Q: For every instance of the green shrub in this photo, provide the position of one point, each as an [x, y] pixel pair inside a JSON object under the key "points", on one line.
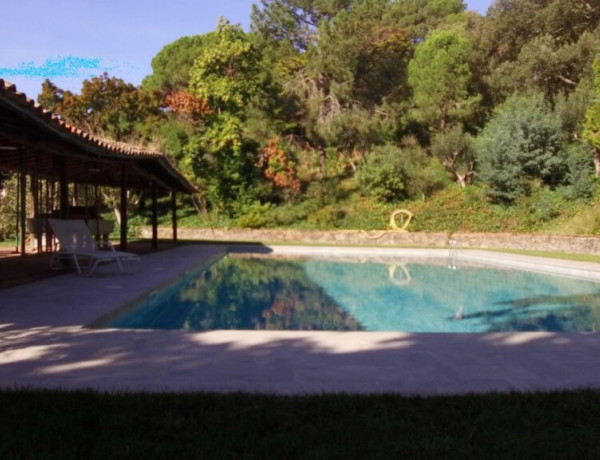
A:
{"points": [[391, 173], [366, 214], [425, 176], [382, 174], [324, 192], [326, 218], [581, 178], [458, 209], [254, 215], [523, 141]]}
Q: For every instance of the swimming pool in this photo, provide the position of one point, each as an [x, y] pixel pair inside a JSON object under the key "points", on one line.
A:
{"points": [[409, 294]]}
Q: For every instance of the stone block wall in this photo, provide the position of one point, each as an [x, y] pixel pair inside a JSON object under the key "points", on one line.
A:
{"points": [[531, 242], [339, 237], [570, 244]]}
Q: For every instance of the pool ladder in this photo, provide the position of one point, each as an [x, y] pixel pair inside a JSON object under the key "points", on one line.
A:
{"points": [[452, 253]]}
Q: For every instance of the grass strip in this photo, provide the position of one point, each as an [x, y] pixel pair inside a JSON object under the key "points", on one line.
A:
{"points": [[88, 424], [552, 254]]}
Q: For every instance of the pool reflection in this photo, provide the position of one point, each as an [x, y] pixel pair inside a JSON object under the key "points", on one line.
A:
{"points": [[412, 296], [238, 293]]}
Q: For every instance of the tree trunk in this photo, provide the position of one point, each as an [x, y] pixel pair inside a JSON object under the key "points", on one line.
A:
{"points": [[322, 159], [597, 162], [462, 179], [117, 212]]}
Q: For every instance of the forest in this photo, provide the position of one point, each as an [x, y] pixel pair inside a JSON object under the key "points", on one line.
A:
{"points": [[333, 113]]}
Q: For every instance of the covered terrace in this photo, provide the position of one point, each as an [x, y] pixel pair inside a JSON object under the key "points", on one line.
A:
{"points": [[48, 154]]}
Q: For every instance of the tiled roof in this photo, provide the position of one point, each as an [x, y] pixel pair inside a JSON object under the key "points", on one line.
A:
{"points": [[28, 127]]}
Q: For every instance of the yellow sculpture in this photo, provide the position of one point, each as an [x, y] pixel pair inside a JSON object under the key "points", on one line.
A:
{"points": [[405, 222]]}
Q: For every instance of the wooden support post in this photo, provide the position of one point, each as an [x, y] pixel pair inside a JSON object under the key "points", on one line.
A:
{"points": [[36, 189], [17, 211], [154, 217], [174, 214], [22, 202], [64, 189], [123, 210], [97, 214]]}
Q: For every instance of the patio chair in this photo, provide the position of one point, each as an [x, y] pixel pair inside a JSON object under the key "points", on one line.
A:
{"points": [[77, 245]]}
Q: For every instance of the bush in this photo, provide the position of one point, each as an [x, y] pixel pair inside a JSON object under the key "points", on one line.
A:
{"points": [[324, 192], [544, 206], [424, 175], [382, 175], [253, 215], [581, 177], [326, 218], [392, 173], [522, 141]]}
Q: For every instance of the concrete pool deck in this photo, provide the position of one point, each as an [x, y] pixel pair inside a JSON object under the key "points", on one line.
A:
{"points": [[43, 344]]}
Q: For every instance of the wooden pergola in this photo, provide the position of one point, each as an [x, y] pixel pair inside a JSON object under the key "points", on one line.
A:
{"points": [[37, 143]]}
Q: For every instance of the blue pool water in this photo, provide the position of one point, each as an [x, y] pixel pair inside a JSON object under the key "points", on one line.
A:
{"points": [[403, 295]]}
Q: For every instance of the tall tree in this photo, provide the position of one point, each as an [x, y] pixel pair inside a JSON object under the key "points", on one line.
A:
{"points": [[456, 151], [358, 64], [440, 77], [591, 131], [294, 21], [225, 75], [171, 66], [106, 106], [546, 64], [420, 17], [536, 44], [365, 58]]}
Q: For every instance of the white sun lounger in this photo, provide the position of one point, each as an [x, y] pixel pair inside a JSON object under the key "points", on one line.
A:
{"points": [[77, 244]]}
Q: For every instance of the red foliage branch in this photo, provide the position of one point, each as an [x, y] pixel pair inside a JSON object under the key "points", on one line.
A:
{"points": [[278, 167], [187, 104]]}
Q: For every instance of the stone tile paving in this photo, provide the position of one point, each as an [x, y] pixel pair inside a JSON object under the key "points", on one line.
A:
{"points": [[43, 345]]}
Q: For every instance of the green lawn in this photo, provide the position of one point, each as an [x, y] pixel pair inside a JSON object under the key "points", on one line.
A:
{"points": [[553, 255], [8, 244], [89, 425]]}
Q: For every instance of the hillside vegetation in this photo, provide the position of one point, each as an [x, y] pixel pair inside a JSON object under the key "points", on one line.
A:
{"points": [[333, 114]]}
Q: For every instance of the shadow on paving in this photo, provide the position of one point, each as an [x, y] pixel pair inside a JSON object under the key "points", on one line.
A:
{"points": [[17, 269], [296, 362]]}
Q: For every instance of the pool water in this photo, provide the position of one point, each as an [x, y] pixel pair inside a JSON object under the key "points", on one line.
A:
{"points": [[418, 295]]}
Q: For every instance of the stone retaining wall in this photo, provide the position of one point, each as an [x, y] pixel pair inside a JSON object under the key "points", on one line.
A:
{"points": [[531, 242], [341, 237], [571, 244]]}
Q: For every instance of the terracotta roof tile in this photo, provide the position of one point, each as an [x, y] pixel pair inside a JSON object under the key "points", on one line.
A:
{"points": [[9, 93]]}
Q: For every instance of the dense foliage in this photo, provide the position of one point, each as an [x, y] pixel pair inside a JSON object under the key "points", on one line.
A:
{"points": [[332, 113]]}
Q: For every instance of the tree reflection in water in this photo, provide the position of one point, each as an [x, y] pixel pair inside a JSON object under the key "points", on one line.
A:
{"points": [[412, 296], [245, 293]]}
